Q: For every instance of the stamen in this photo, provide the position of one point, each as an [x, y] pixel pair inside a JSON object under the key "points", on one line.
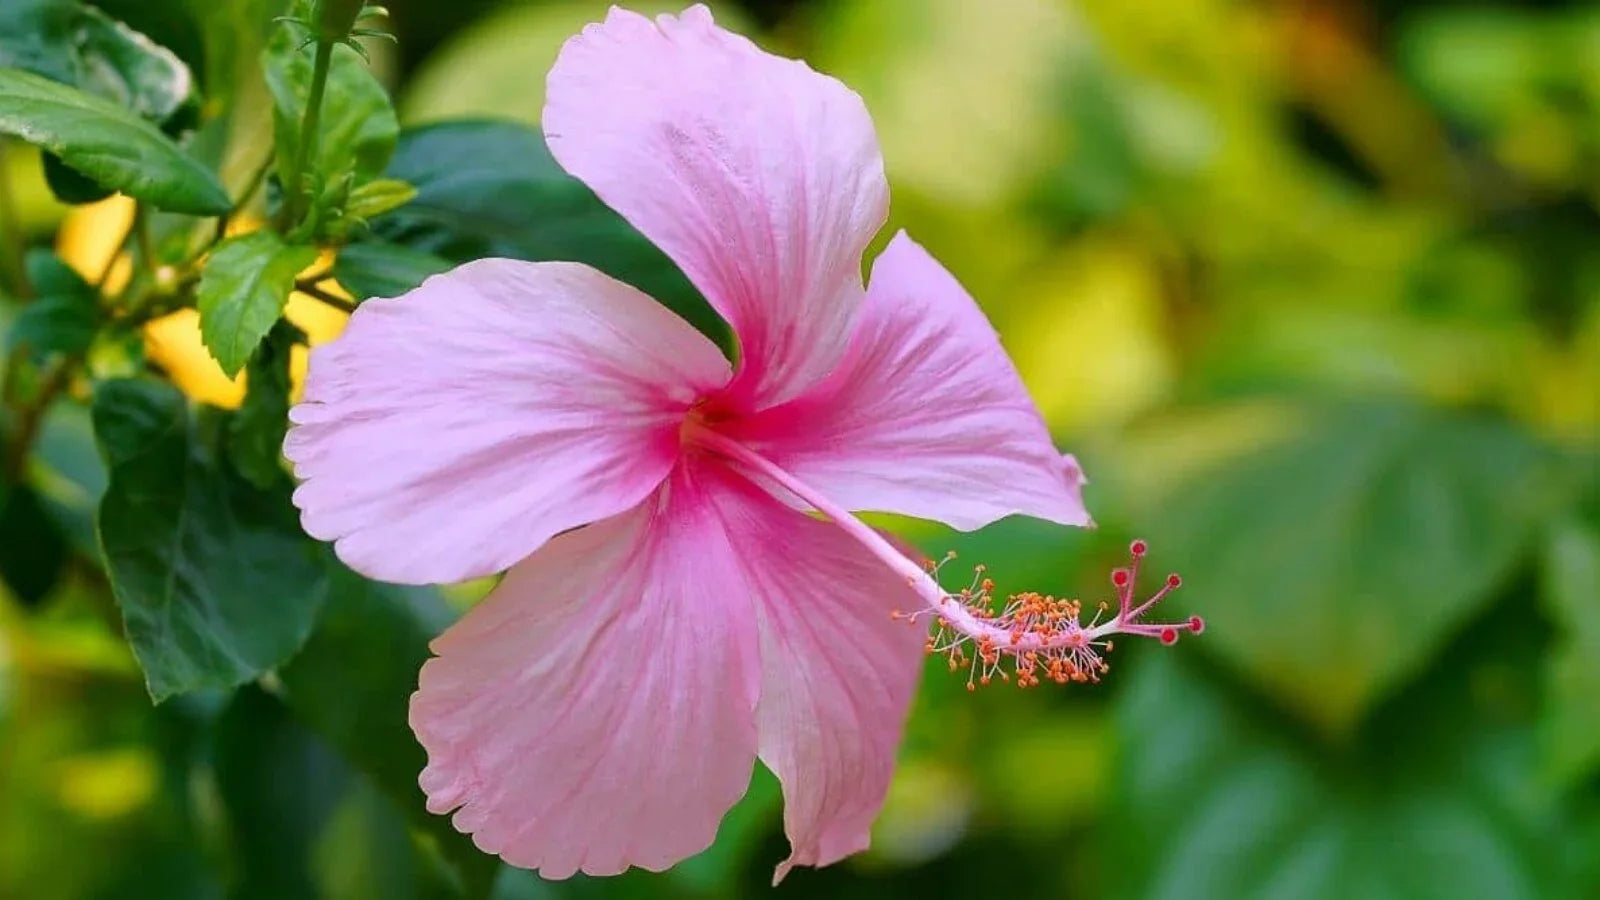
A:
{"points": [[1026, 637], [1041, 636]]}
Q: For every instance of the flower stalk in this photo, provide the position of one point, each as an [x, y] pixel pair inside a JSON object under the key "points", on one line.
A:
{"points": [[294, 206]]}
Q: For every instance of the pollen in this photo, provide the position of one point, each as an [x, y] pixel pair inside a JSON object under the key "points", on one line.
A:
{"points": [[1030, 638]]}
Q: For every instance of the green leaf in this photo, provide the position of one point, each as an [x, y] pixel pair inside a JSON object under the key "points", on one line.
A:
{"points": [[305, 823], [243, 289], [487, 188], [378, 197], [129, 69], [255, 435], [64, 315], [279, 786], [352, 684], [357, 128], [1571, 726], [37, 35], [216, 583], [366, 853], [1334, 564], [69, 186], [33, 552], [107, 143], [69, 475], [382, 269], [1215, 797], [81, 46]]}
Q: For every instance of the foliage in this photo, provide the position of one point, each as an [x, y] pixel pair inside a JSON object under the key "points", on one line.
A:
{"points": [[1312, 290]]}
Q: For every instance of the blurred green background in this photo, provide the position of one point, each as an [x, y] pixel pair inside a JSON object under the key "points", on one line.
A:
{"points": [[1313, 290]]}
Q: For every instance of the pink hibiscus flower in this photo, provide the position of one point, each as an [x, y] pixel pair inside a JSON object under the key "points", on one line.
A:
{"points": [[673, 610]]}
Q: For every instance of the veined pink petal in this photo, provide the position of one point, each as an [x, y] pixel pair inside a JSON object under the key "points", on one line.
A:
{"points": [[838, 674], [596, 711], [450, 432], [761, 178], [925, 415], [599, 709]]}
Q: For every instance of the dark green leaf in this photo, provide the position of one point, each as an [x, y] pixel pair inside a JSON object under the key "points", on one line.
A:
{"points": [[366, 853], [242, 291], [176, 25], [81, 46], [255, 436], [279, 785], [33, 552], [214, 578], [1571, 570], [64, 314], [305, 823], [107, 143], [129, 69], [353, 682], [69, 186], [1218, 799], [69, 475], [37, 35], [487, 188], [382, 269], [1335, 564]]}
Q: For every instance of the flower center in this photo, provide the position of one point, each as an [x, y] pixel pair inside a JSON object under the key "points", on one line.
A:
{"points": [[1025, 636]]}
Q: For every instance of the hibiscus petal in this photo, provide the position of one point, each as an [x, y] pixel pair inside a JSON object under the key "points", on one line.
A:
{"points": [[450, 432], [925, 415], [599, 709], [838, 674], [761, 178], [596, 711]]}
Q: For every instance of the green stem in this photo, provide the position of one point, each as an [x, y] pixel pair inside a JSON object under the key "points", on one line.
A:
{"points": [[147, 246], [308, 132], [249, 194], [309, 288], [31, 415]]}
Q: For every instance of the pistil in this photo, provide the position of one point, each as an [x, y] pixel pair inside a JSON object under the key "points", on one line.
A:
{"points": [[1027, 636]]}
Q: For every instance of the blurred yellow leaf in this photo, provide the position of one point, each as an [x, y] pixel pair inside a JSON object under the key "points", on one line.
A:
{"points": [[1062, 763], [496, 66], [1154, 457], [107, 784], [91, 236], [1088, 340], [926, 812], [1564, 382], [21, 168], [964, 94]]}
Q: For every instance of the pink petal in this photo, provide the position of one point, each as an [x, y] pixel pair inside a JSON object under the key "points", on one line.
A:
{"points": [[761, 178], [925, 416], [597, 711], [838, 674], [450, 432]]}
